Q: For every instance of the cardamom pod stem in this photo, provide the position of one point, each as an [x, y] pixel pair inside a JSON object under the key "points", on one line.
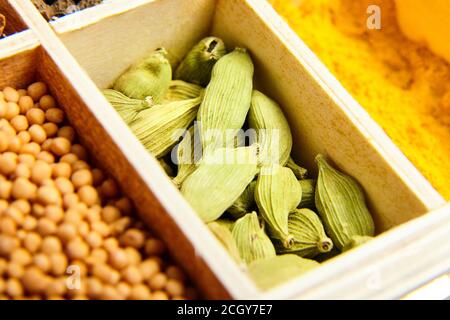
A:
{"points": [[181, 90], [188, 154], [227, 99], [219, 180], [158, 128], [300, 173], [271, 272], [309, 235], [272, 128], [277, 193], [149, 77], [196, 67], [341, 205], [244, 203], [251, 240], [308, 193], [225, 237], [356, 241], [127, 108]]}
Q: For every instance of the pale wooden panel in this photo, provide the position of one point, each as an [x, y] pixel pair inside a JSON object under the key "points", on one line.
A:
{"points": [[14, 22], [106, 48], [320, 122], [17, 59]]}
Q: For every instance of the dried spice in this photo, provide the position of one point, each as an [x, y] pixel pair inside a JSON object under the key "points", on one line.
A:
{"points": [[341, 205], [277, 193], [196, 67], [219, 180], [251, 239], [148, 78], [227, 99], [273, 132], [309, 235]]}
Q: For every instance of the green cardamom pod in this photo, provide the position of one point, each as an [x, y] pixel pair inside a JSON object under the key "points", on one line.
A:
{"points": [[341, 205], [181, 90], [224, 235], [188, 154], [244, 203], [356, 241], [127, 108], [277, 193], [220, 178], [300, 173], [309, 235], [272, 129], [271, 272], [251, 240], [160, 127], [308, 193], [147, 78], [196, 67], [227, 99]]}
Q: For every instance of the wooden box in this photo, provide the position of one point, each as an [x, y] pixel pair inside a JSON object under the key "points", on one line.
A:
{"points": [[85, 51]]}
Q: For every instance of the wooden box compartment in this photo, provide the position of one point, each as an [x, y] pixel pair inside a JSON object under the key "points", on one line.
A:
{"points": [[14, 22], [105, 40]]}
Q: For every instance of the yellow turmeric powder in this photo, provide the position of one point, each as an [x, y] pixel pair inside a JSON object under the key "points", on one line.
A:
{"points": [[402, 84]]}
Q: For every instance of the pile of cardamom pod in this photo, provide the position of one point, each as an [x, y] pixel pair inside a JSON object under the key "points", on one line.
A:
{"points": [[254, 198]]}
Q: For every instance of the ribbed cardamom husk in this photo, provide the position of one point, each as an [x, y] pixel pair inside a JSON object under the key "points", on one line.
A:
{"points": [[300, 173], [127, 108], [272, 128], [271, 272], [309, 235], [181, 90], [277, 193], [159, 127], [149, 77], [356, 241], [227, 99], [220, 178], [341, 205], [196, 67], [244, 203], [308, 193], [224, 235], [188, 154], [251, 240]]}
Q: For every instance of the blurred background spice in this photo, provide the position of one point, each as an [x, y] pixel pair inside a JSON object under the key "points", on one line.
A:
{"points": [[403, 85], [52, 9], [66, 231]]}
